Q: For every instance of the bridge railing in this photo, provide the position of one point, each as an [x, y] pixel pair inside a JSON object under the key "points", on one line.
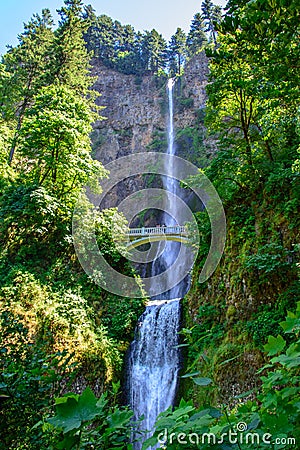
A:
{"points": [[156, 231]]}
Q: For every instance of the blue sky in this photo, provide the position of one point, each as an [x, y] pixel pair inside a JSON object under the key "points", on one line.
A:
{"points": [[163, 15]]}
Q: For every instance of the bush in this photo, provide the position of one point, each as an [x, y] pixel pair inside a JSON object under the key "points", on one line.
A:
{"points": [[86, 422]]}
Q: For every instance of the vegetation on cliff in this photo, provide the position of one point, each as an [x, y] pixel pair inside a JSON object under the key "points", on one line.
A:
{"points": [[121, 48]]}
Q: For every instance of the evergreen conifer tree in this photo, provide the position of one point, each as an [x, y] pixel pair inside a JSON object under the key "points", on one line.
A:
{"points": [[177, 52], [197, 36]]}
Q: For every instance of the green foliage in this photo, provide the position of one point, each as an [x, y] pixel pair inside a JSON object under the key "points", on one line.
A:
{"points": [[54, 319], [158, 143], [185, 103], [177, 52], [211, 16], [273, 413], [154, 51], [55, 142], [25, 68], [121, 48], [87, 422], [70, 64], [274, 345], [30, 217], [252, 106], [269, 259], [190, 140], [208, 330], [29, 377], [263, 324], [121, 317], [196, 38], [252, 117], [184, 419]]}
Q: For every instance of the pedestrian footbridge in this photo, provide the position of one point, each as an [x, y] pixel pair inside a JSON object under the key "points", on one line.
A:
{"points": [[144, 235]]}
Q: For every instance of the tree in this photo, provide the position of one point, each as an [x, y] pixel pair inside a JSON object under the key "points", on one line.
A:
{"points": [[128, 39], [55, 142], [123, 49], [26, 70], [154, 50], [99, 37], [212, 15], [177, 51], [253, 95], [70, 58], [196, 38], [90, 35], [126, 50]]}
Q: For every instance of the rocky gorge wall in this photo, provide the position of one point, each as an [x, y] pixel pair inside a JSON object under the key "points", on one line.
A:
{"points": [[135, 108], [135, 118]]}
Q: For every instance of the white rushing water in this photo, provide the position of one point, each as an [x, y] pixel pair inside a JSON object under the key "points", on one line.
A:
{"points": [[153, 363], [171, 185]]}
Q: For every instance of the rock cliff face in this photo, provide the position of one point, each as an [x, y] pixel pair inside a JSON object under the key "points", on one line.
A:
{"points": [[136, 109], [191, 94], [133, 112]]}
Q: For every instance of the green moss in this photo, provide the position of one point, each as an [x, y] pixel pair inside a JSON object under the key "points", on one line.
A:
{"points": [[231, 311]]}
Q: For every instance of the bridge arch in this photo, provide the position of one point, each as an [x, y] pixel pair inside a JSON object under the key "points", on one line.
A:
{"points": [[140, 236]]}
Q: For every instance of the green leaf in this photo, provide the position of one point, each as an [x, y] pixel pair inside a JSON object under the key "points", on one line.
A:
{"points": [[246, 394], [151, 442], [64, 399], [68, 443], [262, 369], [182, 412], [289, 392], [274, 345], [230, 359], [73, 413], [119, 418], [188, 375], [287, 361], [202, 381], [291, 324], [181, 345], [254, 423]]}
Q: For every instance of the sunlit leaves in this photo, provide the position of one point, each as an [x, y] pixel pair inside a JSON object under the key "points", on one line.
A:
{"points": [[55, 142]]}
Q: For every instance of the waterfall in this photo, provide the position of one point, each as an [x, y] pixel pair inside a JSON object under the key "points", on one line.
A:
{"points": [[153, 362], [171, 185]]}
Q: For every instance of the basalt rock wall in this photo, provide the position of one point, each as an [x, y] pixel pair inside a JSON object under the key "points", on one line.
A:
{"points": [[135, 117], [135, 108]]}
